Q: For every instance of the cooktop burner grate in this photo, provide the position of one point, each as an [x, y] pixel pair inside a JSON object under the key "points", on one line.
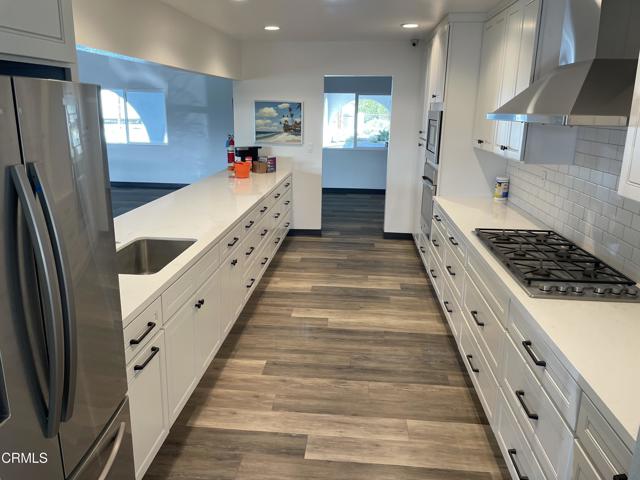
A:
{"points": [[545, 261]]}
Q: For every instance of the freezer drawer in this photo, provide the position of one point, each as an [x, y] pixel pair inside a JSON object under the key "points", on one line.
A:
{"points": [[111, 457]]}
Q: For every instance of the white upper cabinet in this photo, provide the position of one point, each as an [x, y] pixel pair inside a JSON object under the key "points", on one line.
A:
{"points": [[490, 80], [630, 175], [38, 29], [438, 65], [508, 59]]}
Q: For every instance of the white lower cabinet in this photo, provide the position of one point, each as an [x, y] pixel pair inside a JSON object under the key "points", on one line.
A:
{"points": [[516, 450], [582, 467], [148, 402], [180, 337], [208, 320]]}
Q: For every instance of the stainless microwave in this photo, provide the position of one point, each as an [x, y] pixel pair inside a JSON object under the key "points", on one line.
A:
{"points": [[434, 128]]}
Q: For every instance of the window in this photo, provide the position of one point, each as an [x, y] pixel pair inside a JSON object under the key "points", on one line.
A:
{"points": [[352, 120], [134, 116]]}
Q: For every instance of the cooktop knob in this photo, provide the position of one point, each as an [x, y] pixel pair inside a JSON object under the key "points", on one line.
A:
{"points": [[577, 290], [631, 292], [617, 291], [600, 290], [563, 289], [546, 288]]}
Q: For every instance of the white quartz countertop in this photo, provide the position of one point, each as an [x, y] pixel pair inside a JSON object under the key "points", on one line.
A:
{"points": [[203, 211], [599, 341]]}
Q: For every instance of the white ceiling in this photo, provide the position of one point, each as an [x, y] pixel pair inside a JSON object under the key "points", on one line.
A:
{"points": [[325, 19]]}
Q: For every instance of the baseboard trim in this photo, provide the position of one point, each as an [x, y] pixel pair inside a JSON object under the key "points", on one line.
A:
{"points": [[397, 236], [305, 232], [345, 191], [174, 186]]}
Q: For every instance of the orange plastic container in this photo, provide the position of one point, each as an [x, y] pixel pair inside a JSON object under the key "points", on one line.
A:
{"points": [[242, 169]]}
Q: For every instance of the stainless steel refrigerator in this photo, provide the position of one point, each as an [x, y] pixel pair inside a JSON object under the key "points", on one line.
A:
{"points": [[63, 405]]}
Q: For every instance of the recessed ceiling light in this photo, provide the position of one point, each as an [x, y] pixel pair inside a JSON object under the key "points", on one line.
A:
{"points": [[410, 25], [272, 28]]}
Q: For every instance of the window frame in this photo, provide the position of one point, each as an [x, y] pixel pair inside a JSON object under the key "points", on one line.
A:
{"points": [[125, 94], [355, 126]]}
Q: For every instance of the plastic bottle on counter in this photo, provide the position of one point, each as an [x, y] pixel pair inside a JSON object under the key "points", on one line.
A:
{"points": [[501, 190]]}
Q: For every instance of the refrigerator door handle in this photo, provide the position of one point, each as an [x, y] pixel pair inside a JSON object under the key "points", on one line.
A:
{"points": [[114, 451], [50, 291], [67, 297]]}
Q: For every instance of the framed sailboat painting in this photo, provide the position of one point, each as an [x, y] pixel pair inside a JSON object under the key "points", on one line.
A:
{"points": [[278, 123]]}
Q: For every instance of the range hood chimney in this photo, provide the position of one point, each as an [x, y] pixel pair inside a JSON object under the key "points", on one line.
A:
{"points": [[594, 83]]}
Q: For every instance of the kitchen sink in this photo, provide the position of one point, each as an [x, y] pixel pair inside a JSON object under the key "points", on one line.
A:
{"points": [[149, 255]]}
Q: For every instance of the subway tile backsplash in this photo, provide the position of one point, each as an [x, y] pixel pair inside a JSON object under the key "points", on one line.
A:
{"points": [[581, 202]]}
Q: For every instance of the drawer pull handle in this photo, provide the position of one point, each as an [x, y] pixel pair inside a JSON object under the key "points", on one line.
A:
{"points": [[250, 251], [250, 224], [473, 369], [287, 202], [264, 209], [620, 476], [527, 346], [451, 272], [253, 280], [512, 456], [474, 314], [154, 352], [531, 415], [435, 243], [453, 241], [286, 225], [264, 261], [277, 215], [138, 341], [277, 195], [277, 241], [423, 250], [433, 273], [286, 185], [437, 218], [446, 307], [234, 262], [264, 232], [199, 303], [233, 242]]}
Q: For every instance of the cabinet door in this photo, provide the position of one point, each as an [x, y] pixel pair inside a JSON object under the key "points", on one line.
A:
{"points": [[208, 321], [630, 176], [520, 48], [181, 357], [148, 402], [490, 81], [230, 278], [38, 29], [438, 64]]}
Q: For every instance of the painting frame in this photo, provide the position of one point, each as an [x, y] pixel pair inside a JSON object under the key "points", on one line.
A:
{"points": [[278, 122]]}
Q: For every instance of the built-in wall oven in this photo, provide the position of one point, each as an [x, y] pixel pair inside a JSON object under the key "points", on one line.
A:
{"points": [[434, 127], [429, 187]]}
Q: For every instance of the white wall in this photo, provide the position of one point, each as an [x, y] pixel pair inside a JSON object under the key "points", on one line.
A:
{"points": [[353, 168], [154, 31], [295, 71], [199, 118]]}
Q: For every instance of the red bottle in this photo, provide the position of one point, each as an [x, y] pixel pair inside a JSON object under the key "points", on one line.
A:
{"points": [[231, 151]]}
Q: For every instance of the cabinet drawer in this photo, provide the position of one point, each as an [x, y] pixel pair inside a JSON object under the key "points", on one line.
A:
{"points": [[483, 380], [208, 264], [435, 275], [517, 452], [180, 292], [142, 329], [605, 449], [287, 200], [491, 289], [232, 240], [438, 244], [486, 327], [539, 419], [263, 207], [452, 311], [556, 380], [454, 271], [287, 184], [148, 403], [455, 241], [583, 469]]}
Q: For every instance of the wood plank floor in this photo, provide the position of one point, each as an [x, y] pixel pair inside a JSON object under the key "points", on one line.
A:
{"points": [[340, 367]]}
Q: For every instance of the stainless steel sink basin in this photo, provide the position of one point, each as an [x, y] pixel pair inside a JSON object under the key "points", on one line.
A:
{"points": [[149, 255]]}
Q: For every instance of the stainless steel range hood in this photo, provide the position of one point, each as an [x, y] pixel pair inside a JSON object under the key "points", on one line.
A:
{"points": [[598, 61]]}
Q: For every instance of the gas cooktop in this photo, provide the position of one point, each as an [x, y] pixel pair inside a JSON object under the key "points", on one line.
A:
{"points": [[547, 265]]}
